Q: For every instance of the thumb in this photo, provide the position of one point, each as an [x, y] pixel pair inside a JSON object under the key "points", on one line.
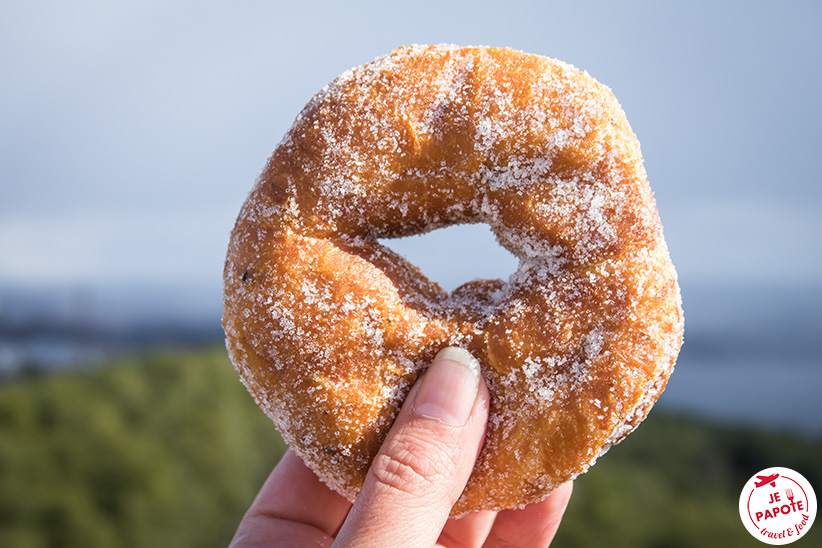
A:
{"points": [[426, 460]]}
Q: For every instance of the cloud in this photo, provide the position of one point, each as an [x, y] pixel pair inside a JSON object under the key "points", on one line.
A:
{"points": [[738, 241], [161, 249], [130, 132]]}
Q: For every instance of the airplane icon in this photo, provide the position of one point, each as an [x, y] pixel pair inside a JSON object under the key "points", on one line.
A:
{"points": [[764, 480]]}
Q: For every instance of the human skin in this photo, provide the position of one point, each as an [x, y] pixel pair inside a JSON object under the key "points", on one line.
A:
{"points": [[413, 482]]}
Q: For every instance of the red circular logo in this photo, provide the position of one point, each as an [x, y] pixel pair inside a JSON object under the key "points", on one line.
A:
{"points": [[777, 505]]}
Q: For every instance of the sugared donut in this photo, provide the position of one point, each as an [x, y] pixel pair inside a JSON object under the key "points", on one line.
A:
{"points": [[329, 329]]}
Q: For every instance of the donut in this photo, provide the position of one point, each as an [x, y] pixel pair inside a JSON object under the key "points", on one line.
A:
{"points": [[329, 329]]}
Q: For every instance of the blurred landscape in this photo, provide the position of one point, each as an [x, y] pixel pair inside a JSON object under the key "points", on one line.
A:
{"points": [[750, 353], [131, 132], [166, 448], [123, 423], [48, 328]]}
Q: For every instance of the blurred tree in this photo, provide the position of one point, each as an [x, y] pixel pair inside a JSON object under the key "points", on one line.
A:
{"points": [[168, 449], [676, 482]]}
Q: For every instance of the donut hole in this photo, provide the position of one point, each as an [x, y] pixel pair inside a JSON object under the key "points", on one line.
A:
{"points": [[455, 255]]}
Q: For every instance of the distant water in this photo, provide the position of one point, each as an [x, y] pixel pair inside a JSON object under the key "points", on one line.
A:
{"points": [[47, 354], [53, 328], [750, 355], [56, 351], [781, 394]]}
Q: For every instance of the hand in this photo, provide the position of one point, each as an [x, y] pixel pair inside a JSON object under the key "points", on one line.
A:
{"points": [[413, 482]]}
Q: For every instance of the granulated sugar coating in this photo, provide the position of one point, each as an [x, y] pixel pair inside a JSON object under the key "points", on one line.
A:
{"points": [[329, 329]]}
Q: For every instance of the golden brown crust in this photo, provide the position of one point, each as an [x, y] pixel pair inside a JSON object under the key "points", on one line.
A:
{"points": [[329, 329]]}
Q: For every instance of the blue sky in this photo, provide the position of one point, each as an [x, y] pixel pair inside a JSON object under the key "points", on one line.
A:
{"points": [[130, 132]]}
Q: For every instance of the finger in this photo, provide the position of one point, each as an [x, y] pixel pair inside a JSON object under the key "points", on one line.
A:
{"points": [[295, 498], [469, 531], [294, 492], [426, 460], [532, 526]]}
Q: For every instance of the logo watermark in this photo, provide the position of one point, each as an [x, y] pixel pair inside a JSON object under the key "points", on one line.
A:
{"points": [[777, 505]]}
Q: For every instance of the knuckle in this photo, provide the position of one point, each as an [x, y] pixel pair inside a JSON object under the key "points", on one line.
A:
{"points": [[412, 466]]}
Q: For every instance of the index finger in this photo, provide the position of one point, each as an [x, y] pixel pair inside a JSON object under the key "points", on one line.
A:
{"points": [[293, 493], [532, 526]]}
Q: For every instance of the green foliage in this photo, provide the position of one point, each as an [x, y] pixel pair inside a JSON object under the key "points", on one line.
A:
{"points": [[165, 450], [676, 482], [168, 449]]}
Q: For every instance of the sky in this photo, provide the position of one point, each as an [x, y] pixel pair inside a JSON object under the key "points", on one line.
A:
{"points": [[131, 132]]}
